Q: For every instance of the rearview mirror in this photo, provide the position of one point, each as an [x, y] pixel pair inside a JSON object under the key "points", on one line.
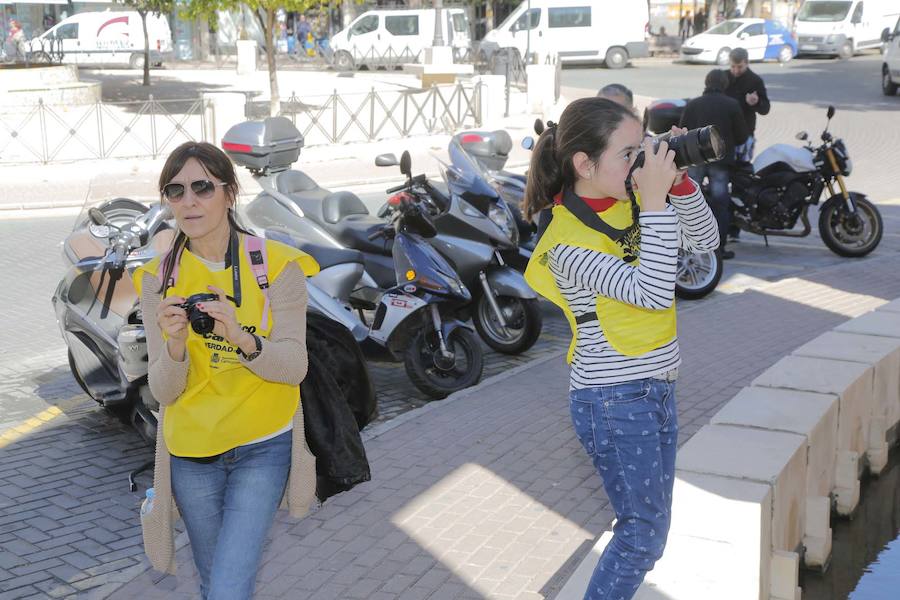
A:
{"points": [[538, 126], [886, 36], [802, 136], [743, 36], [528, 143], [386, 160], [830, 112], [406, 163]]}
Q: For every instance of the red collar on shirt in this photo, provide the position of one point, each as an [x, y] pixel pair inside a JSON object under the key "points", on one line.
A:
{"points": [[596, 204]]}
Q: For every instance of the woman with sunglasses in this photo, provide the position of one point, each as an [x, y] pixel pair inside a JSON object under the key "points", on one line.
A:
{"points": [[230, 442]]}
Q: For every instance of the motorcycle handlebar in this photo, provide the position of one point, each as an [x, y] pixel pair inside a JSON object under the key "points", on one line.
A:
{"points": [[396, 189], [418, 179]]}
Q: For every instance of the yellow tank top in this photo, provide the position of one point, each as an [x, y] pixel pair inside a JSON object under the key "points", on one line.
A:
{"points": [[225, 404], [630, 329]]}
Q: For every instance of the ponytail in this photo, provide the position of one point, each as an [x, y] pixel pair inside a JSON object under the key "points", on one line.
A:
{"points": [[545, 178]]}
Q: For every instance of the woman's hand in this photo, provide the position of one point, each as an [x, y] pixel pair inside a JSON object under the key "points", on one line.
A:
{"points": [[172, 319], [227, 325], [173, 322], [654, 179]]}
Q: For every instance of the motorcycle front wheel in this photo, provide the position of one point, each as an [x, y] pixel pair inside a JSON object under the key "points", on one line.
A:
{"points": [[523, 323], [698, 274], [848, 234], [438, 376]]}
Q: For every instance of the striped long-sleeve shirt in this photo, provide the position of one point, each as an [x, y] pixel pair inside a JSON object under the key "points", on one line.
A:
{"points": [[582, 274]]}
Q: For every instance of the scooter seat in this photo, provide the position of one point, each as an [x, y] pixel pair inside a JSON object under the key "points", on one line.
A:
{"points": [[339, 205], [329, 257], [353, 231], [292, 182]]}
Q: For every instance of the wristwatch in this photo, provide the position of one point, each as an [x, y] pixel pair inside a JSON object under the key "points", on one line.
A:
{"points": [[255, 353]]}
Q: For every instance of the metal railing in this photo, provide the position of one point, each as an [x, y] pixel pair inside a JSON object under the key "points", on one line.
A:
{"points": [[47, 133], [383, 114]]}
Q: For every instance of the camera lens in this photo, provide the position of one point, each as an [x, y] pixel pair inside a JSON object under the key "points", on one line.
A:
{"points": [[201, 322], [697, 147]]}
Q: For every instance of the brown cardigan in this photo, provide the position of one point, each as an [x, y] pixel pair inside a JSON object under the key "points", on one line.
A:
{"points": [[283, 359]]}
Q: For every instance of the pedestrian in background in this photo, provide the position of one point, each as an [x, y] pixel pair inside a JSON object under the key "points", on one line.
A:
{"points": [[612, 272], [684, 26], [618, 93], [231, 425], [714, 107], [749, 90], [699, 22]]}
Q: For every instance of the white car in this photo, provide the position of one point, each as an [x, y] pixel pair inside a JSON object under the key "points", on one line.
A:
{"points": [[762, 38], [890, 68]]}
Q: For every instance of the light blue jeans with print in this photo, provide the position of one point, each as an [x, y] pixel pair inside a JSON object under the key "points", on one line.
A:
{"points": [[228, 504], [630, 432]]}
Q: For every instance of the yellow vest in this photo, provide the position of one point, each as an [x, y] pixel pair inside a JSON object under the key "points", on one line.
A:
{"points": [[630, 329], [225, 404]]}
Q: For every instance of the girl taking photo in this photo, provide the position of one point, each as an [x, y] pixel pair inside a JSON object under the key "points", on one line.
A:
{"points": [[609, 262]]}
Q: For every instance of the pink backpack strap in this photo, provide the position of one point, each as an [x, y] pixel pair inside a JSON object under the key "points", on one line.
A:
{"points": [[255, 248]]}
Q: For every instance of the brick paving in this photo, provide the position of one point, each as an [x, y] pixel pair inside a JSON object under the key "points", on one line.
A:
{"points": [[488, 495]]}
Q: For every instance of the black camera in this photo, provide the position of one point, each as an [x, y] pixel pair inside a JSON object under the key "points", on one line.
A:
{"points": [[201, 322], [694, 148]]}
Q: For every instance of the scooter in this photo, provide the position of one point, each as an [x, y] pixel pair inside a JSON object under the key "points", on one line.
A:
{"points": [[415, 317], [99, 314], [478, 234], [292, 201]]}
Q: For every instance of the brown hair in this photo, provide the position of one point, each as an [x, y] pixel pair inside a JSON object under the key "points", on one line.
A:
{"points": [[584, 126], [217, 164]]}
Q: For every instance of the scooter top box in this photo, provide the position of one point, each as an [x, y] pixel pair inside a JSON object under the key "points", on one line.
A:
{"points": [[490, 148], [267, 146]]}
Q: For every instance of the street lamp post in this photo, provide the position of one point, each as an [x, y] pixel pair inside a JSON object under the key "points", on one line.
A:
{"points": [[438, 29], [528, 34]]}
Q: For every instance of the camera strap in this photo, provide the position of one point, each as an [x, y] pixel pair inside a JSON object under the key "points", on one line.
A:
{"points": [[235, 268], [575, 205]]}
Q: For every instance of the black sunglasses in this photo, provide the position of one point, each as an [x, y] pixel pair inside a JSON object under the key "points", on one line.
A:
{"points": [[202, 188]]}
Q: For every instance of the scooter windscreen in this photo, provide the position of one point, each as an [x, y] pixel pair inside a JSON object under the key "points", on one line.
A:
{"points": [[465, 176]]}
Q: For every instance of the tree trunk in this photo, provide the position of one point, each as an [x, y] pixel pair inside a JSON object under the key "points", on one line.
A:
{"points": [[146, 82], [274, 102]]}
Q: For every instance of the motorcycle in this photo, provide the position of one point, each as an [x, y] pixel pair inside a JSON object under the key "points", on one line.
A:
{"points": [[478, 234], [415, 314], [292, 201], [99, 315], [771, 195]]}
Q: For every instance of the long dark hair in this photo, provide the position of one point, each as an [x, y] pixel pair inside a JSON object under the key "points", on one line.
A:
{"points": [[584, 126], [217, 164]]}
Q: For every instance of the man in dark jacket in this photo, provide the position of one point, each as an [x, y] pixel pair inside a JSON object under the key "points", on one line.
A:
{"points": [[750, 92], [716, 108]]}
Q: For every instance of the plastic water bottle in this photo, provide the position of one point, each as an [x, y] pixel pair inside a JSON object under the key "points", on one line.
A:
{"points": [[147, 505]]}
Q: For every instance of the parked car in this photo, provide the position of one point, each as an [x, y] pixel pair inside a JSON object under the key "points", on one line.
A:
{"points": [[890, 68], [104, 38], [763, 39], [609, 31], [842, 27], [393, 37]]}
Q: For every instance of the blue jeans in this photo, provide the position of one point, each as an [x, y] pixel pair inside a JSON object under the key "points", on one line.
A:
{"points": [[228, 505], [719, 197], [630, 431]]}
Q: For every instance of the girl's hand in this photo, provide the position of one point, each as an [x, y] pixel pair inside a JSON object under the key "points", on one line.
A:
{"points": [[222, 311], [172, 319], [654, 179], [674, 132]]}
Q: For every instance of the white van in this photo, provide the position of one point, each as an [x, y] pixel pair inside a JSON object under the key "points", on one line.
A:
{"points": [[610, 31], [842, 27], [105, 38], [890, 68], [394, 37]]}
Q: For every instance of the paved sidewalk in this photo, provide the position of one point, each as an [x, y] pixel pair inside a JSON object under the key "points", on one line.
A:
{"points": [[488, 495]]}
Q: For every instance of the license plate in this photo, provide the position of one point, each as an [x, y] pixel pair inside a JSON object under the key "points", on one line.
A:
{"points": [[809, 47]]}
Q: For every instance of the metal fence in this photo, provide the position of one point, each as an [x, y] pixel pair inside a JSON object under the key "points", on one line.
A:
{"points": [[47, 133], [383, 114]]}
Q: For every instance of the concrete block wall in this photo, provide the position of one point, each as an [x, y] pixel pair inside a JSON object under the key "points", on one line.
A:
{"points": [[756, 488]]}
